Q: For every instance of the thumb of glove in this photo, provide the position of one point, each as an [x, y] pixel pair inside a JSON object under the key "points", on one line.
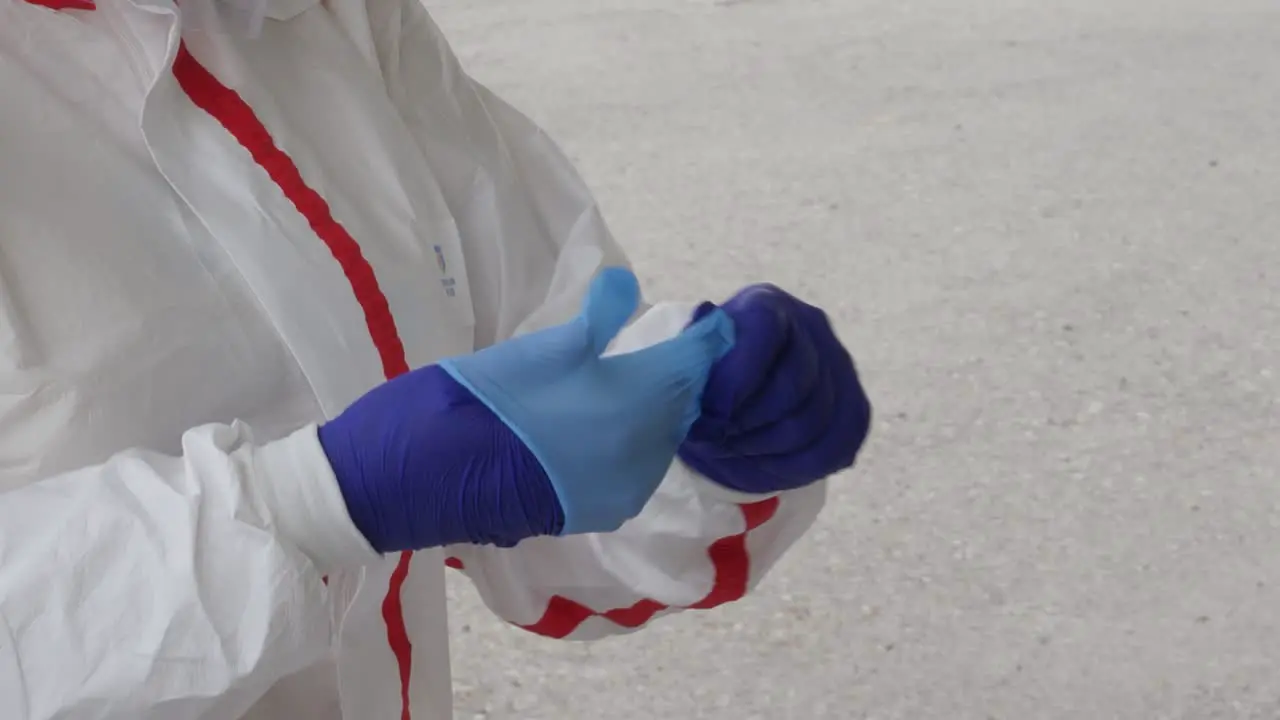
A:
{"points": [[611, 300], [548, 354], [605, 429]]}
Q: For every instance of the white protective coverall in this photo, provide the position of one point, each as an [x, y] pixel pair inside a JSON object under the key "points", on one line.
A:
{"points": [[209, 245]]}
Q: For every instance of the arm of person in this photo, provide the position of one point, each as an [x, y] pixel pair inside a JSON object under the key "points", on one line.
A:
{"points": [[154, 587], [696, 545], [531, 228]]}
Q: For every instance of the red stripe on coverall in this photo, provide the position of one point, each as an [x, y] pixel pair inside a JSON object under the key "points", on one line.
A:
{"points": [[66, 4], [233, 113], [729, 557]]}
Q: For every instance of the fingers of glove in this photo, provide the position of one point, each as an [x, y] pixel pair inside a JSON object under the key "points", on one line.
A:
{"points": [[773, 473], [856, 420], [820, 330], [791, 384], [712, 422], [611, 301], [837, 447], [830, 451], [800, 428], [544, 356], [691, 353], [676, 370], [761, 324]]}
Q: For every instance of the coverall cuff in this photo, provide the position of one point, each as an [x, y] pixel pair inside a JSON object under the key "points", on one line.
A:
{"points": [[305, 503]]}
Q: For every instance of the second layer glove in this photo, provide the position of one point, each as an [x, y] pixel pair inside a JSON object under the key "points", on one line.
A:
{"points": [[785, 407], [605, 429], [533, 436]]}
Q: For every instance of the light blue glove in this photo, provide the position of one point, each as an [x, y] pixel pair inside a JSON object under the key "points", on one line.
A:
{"points": [[605, 430]]}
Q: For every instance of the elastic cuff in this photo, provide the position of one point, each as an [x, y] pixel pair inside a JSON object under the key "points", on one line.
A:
{"points": [[306, 506]]}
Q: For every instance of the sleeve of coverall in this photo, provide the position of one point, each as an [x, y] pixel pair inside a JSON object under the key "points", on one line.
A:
{"points": [[532, 229], [154, 587]]}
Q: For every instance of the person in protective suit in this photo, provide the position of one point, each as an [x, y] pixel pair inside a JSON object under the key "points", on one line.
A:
{"points": [[290, 320]]}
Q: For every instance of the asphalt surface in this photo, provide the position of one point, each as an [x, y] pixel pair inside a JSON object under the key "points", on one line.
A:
{"points": [[1048, 231]]}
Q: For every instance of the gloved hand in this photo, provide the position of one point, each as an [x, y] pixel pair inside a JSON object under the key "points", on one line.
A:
{"points": [[538, 435], [784, 408]]}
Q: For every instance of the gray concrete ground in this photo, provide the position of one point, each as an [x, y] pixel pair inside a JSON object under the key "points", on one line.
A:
{"points": [[1048, 229]]}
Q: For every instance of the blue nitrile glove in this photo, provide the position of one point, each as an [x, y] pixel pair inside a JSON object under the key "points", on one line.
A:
{"points": [[534, 436], [784, 408], [606, 429]]}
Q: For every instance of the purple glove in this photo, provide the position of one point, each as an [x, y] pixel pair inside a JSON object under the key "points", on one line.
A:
{"points": [[449, 472], [537, 435], [784, 408]]}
